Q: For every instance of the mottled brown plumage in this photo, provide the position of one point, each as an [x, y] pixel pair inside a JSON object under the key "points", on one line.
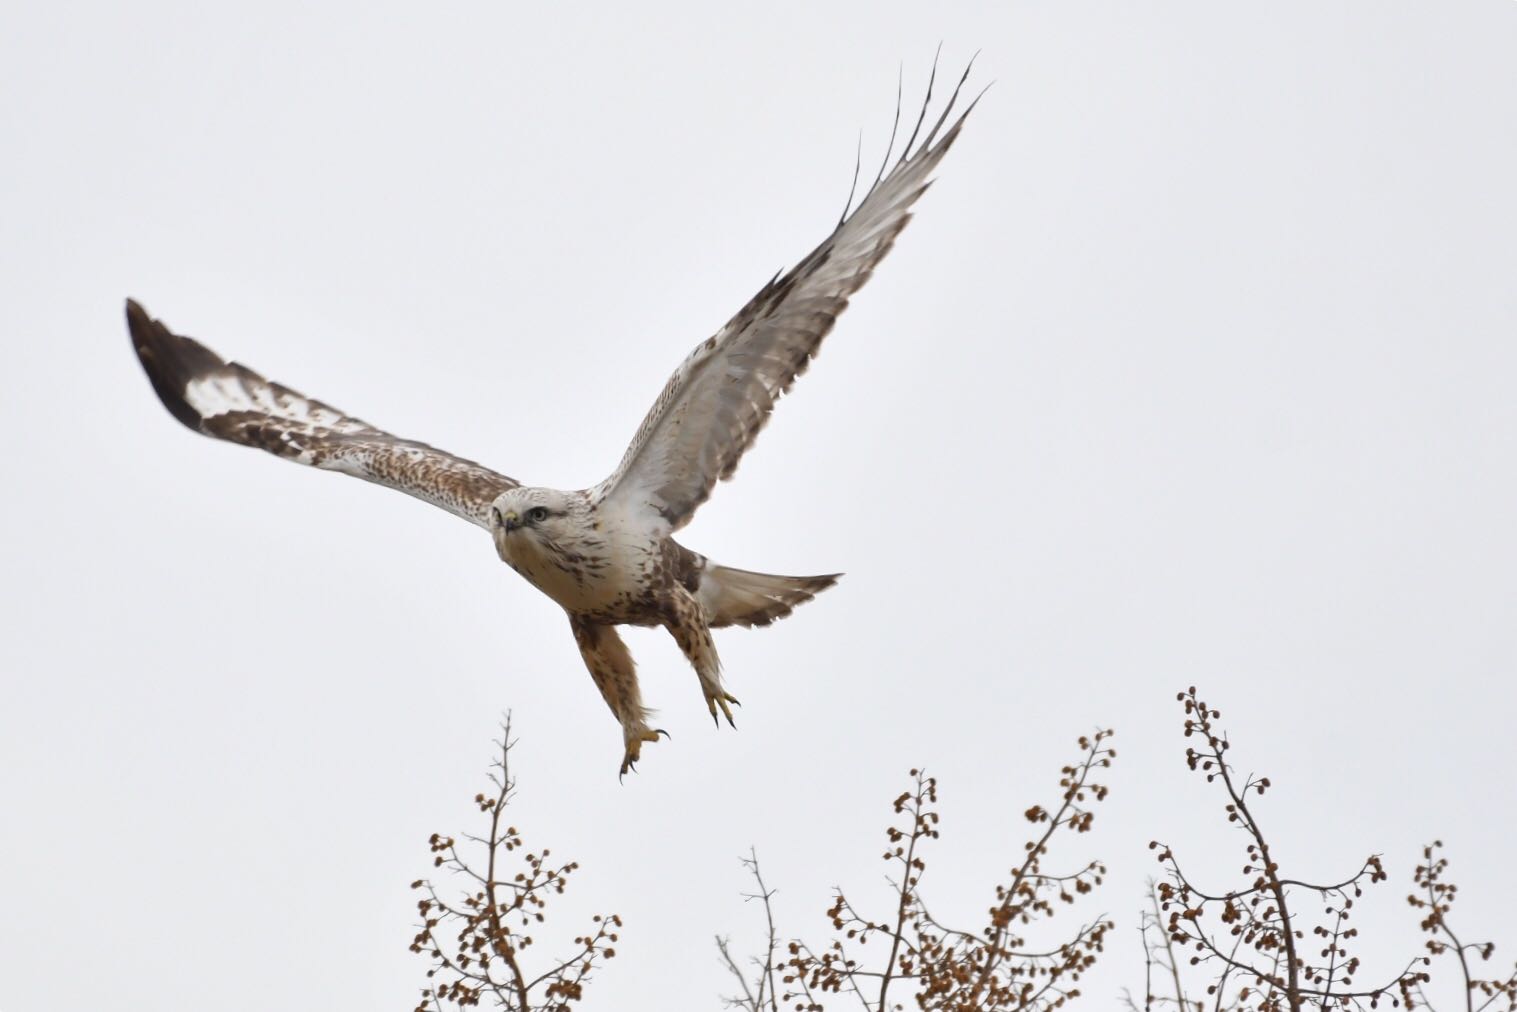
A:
{"points": [[605, 554]]}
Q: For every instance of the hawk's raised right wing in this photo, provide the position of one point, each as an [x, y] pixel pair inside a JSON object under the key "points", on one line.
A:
{"points": [[719, 398], [232, 402]]}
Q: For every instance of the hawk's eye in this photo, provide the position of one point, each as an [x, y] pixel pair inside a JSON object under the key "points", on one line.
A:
{"points": [[537, 514], [500, 521]]}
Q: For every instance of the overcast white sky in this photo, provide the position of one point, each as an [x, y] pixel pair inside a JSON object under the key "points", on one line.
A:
{"points": [[1197, 365]]}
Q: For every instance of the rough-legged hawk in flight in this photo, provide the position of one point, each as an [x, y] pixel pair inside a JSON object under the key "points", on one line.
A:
{"points": [[604, 553]]}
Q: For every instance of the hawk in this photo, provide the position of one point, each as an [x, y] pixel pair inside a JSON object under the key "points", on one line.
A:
{"points": [[606, 554]]}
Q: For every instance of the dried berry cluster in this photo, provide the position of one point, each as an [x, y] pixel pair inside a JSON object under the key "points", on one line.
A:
{"points": [[1435, 897]]}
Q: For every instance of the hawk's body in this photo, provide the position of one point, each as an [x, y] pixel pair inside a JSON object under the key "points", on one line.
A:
{"points": [[605, 554]]}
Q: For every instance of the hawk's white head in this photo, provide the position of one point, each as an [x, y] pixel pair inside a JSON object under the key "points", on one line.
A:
{"points": [[546, 535], [523, 518]]}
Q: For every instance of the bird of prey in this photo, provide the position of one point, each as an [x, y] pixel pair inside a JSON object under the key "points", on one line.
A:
{"points": [[606, 554]]}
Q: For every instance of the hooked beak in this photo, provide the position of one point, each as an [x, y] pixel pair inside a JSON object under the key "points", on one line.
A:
{"points": [[504, 524]]}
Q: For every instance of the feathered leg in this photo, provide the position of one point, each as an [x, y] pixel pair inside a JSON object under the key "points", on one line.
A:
{"points": [[615, 674], [686, 622]]}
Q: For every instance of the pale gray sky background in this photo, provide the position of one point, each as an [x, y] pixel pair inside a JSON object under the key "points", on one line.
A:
{"points": [[1196, 366]]}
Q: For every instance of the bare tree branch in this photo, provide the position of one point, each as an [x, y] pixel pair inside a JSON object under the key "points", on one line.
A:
{"points": [[949, 969], [1264, 933], [484, 961]]}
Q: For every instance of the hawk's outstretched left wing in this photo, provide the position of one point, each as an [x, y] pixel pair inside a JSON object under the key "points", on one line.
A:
{"points": [[230, 401], [719, 398]]}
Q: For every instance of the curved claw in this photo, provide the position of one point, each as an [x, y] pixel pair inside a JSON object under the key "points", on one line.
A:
{"points": [[635, 749], [712, 702]]}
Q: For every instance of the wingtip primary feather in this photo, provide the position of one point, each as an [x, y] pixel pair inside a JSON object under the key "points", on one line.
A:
{"points": [[936, 141], [853, 187], [947, 109], [171, 362]]}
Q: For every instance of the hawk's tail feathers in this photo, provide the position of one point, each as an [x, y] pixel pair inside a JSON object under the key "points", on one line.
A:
{"points": [[738, 597]]}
